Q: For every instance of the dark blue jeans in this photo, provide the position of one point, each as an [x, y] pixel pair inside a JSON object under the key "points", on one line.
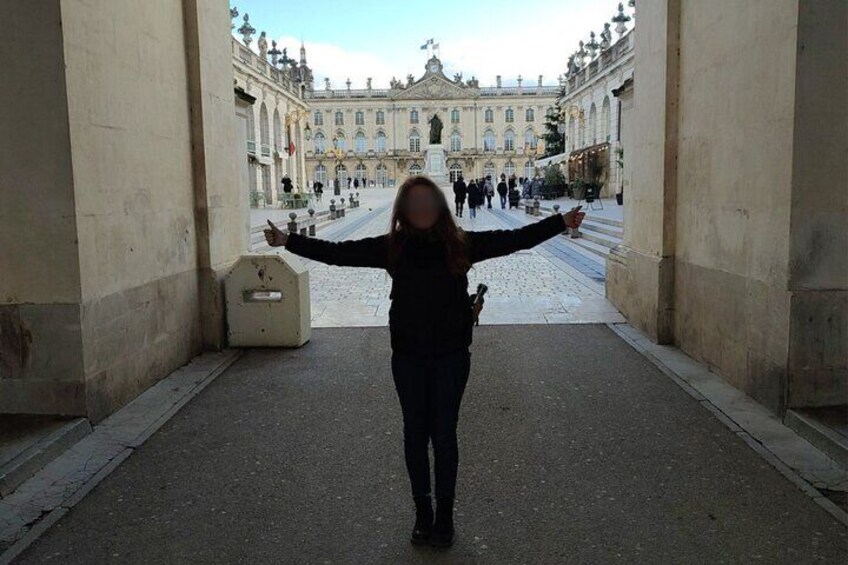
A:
{"points": [[430, 392]]}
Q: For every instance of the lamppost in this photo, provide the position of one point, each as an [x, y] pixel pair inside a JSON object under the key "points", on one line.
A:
{"points": [[293, 118], [338, 155]]}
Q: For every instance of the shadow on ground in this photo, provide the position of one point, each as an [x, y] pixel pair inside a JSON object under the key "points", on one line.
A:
{"points": [[574, 449]]}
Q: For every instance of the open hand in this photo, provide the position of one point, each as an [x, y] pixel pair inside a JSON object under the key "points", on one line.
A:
{"points": [[573, 218], [274, 236]]}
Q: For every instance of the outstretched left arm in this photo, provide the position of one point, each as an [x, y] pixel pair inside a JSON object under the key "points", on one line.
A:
{"points": [[489, 244]]}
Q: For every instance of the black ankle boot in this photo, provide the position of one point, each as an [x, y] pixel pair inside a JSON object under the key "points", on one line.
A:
{"points": [[442, 535], [423, 528]]}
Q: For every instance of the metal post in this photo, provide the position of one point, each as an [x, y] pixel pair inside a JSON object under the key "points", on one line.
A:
{"points": [[342, 208], [293, 223], [333, 209], [537, 207]]}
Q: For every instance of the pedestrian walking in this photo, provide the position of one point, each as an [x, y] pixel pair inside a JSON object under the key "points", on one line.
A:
{"points": [[460, 191], [475, 197], [502, 191], [489, 191], [356, 183], [318, 189], [430, 323]]}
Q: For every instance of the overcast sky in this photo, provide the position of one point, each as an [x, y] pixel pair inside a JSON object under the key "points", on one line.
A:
{"points": [[381, 39]]}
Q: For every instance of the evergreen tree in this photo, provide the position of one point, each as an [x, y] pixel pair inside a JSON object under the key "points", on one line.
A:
{"points": [[554, 141]]}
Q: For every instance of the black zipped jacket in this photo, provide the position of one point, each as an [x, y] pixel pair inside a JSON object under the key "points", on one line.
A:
{"points": [[430, 312]]}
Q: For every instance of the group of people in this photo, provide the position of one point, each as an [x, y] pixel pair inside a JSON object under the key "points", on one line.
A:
{"points": [[479, 192]]}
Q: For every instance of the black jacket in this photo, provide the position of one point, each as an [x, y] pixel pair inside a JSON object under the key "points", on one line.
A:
{"points": [[475, 195], [502, 188], [430, 312], [460, 191]]}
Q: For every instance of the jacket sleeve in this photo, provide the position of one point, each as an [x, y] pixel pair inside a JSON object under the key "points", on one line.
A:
{"points": [[489, 244], [368, 252]]}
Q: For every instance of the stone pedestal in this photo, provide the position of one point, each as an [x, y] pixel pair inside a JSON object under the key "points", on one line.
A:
{"points": [[434, 164]]}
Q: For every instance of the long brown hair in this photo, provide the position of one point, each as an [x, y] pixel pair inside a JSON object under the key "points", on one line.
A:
{"points": [[445, 229]]}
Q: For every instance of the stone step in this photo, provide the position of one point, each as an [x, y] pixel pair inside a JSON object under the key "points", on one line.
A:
{"points": [[825, 428], [590, 248], [607, 221], [591, 224], [599, 238], [29, 443]]}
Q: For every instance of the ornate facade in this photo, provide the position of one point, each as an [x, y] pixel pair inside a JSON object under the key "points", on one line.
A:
{"points": [[276, 123], [382, 135], [590, 113]]}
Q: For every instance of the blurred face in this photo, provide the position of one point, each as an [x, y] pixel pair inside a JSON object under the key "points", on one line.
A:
{"points": [[421, 208]]}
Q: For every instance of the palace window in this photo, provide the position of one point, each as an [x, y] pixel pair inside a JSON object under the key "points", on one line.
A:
{"points": [[455, 171], [360, 172], [380, 144], [382, 175], [509, 140], [509, 169], [264, 135], [529, 115], [415, 169], [488, 116], [489, 140], [414, 142], [455, 141], [509, 115], [454, 116], [318, 118], [339, 141], [359, 144], [530, 139], [341, 174], [320, 143], [413, 116], [339, 119], [381, 118], [321, 174], [360, 118]]}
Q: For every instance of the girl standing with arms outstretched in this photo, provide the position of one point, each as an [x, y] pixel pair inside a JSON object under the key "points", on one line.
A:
{"points": [[430, 320]]}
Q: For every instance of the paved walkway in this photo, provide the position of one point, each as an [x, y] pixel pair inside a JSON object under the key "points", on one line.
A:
{"points": [[582, 452], [552, 284]]}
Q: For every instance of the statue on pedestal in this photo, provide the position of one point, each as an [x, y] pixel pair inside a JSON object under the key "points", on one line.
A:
{"points": [[435, 130], [262, 45]]}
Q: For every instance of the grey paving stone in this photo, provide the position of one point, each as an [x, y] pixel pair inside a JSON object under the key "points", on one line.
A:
{"points": [[574, 449]]}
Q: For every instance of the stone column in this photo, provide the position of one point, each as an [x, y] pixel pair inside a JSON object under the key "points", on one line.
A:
{"points": [[640, 272], [222, 218], [818, 260]]}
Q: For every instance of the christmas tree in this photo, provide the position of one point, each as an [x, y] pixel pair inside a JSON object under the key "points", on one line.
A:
{"points": [[554, 141]]}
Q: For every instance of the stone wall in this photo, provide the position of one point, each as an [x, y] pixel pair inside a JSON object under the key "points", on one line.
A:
{"points": [[733, 249], [123, 203]]}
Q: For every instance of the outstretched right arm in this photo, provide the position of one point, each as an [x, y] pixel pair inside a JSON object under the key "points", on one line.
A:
{"points": [[368, 252]]}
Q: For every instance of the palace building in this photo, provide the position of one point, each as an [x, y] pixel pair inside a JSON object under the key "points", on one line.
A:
{"points": [[382, 136]]}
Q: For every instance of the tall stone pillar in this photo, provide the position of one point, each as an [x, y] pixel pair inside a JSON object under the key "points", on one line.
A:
{"points": [[640, 272], [120, 204], [222, 221], [818, 236]]}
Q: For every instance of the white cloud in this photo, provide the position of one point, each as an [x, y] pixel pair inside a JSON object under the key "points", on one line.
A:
{"points": [[540, 45]]}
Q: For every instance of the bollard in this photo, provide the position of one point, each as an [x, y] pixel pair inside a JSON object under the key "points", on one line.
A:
{"points": [[311, 221], [342, 209], [293, 222], [537, 207], [333, 209], [527, 207]]}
